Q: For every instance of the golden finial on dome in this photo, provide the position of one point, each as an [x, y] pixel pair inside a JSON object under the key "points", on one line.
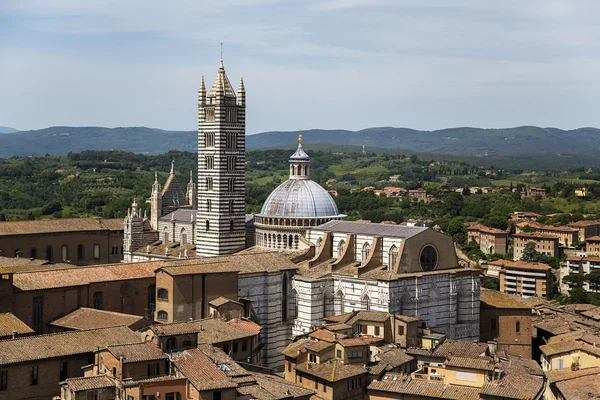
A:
{"points": [[300, 137]]}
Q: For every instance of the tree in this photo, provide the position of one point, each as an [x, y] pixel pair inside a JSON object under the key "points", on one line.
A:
{"points": [[491, 283], [594, 279], [574, 280], [530, 253], [458, 231]]}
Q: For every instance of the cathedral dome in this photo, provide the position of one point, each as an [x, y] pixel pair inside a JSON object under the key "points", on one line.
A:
{"points": [[299, 198]]}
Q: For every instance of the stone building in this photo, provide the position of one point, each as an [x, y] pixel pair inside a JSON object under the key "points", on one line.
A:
{"points": [[221, 167], [506, 320], [80, 241], [587, 228], [406, 270], [543, 242], [566, 235], [293, 207], [490, 240]]}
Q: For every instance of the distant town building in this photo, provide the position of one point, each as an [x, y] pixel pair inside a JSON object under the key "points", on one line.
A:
{"points": [[518, 216], [490, 240], [524, 278], [578, 265], [544, 244], [592, 245], [566, 235], [587, 228]]}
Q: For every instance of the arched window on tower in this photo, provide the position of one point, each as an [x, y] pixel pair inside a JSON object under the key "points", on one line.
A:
{"points": [[231, 184], [393, 257], [209, 183], [207, 225], [366, 249]]}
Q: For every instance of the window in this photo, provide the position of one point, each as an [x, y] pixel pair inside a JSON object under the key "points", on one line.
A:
{"points": [[64, 367], [289, 366], [3, 380], [428, 258], [217, 395], [231, 161], [393, 257], [312, 358], [130, 397], [209, 205], [376, 331], [231, 140], [209, 114], [163, 316], [235, 348], [340, 248], [96, 251], [80, 252], [338, 354], [34, 375], [209, 183], [183, 237], [171, 343], [400, 330], [38, 313], [231, 203], [207, 225], [153, 369], [33, 253], [163, 294], [518, 327], [364, 329], [231, 115], [559, 364], [365, 252], [64, 254], [173, 396], [210, 140], [97, 301], [210, 162], [244, 345], [231, 184], [231, 225], [49, 253]]}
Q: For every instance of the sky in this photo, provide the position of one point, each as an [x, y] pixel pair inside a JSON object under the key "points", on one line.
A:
{"points": [[330, 64]]}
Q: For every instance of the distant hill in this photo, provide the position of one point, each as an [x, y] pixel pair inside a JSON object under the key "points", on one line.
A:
{"points": [[574, 148], [6, 129]]}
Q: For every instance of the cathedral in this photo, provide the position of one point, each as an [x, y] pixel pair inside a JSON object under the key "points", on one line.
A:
{"points": [[340, 266]]}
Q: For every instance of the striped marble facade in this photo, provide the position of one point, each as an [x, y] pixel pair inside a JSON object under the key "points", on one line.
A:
{"points": [[221, 166]]}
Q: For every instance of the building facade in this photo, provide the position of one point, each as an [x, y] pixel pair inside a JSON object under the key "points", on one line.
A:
{"points": [[221, 167], [544, 243], [490, 240], [525, 279]]}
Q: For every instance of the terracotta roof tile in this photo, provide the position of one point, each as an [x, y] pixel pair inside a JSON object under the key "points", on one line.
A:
{"points": [[332, 371], [326, 335], [137, 352], [403, 384], [8, 228], [10, 323], [394, 357], [209, 330], [479, 363], [219, 301], [495, 299], [523, 265], [450, 347], [90, 318], [90, 383], [522, 379], [270, 387], [566, 374], [584, 387], [200, 370], [39, 347]]}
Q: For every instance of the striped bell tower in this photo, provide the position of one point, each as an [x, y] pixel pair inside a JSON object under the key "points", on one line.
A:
{"points": [[221, 167]]}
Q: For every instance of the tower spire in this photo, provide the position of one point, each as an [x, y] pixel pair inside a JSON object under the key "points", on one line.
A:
{"points": [[299, 162]]}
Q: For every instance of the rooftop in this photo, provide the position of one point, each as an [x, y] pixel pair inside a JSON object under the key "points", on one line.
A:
{"points": [[450, 347], [479, 363], [210, 330], [8, 228], [39, 347], [495, 299], [521, 265], [270, 387], [368, 228], [201, 371], [90, 318], [90, 383], [331, 371], [10, 324], [181, 215], [405, 384], [535, 235], [137, 352], [585, 387], [394, 357]]}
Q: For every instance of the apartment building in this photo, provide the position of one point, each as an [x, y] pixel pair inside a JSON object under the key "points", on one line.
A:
{"points": [[587, 229], [490, 240], [544, 243], [524, 278], [566, 235], [578, 265]]}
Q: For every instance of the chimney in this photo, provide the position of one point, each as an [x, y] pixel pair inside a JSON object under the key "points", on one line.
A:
{"points": [[14, 335]]}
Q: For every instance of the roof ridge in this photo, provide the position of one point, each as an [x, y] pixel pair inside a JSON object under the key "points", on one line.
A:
{"points": [[70, 333]]}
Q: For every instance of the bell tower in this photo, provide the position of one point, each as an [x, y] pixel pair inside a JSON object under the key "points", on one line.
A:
{"points": [[221, 167]]}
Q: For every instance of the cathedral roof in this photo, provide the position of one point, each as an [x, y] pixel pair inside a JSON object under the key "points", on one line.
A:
{"points": [[221, 84], [180, 215], [300, 154], [299, 198], [369, 228]]}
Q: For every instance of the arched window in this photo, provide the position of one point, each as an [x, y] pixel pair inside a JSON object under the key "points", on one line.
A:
{"points": [[163, 316], [340, 247], [366, 302], [49, 253], [165, 235], [231, 184], [518, 327], [290, 241], [393, 257], [284, 297], [183, 236], [80, 252], [462, 306], [171, 342], [209, 183], [151, 300], [64, 252], [366, 249], [33, 252], [207, 225], [339, 303], [163, 294], [98, 301], [319, 241], [231, 207]]}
